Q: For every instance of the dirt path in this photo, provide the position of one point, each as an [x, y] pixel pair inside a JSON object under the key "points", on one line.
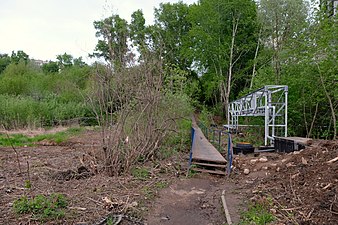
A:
{"points": [[195, 201], [54, 169]]}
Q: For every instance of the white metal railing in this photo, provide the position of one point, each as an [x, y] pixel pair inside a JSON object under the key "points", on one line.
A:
{"points": [[269, 102]]}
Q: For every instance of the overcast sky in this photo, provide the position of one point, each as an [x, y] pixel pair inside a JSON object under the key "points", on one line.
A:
{"points": [[46, 28]]}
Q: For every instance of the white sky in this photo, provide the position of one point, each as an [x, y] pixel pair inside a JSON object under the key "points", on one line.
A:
{"points": [[46, 28]]}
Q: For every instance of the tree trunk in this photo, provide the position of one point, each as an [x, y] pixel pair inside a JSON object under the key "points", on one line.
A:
{"points": [[313, 121], [255, 60], [331, 105], [231, 64]]}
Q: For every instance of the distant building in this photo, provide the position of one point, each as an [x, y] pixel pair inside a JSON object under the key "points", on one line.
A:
{"points": [[39, 62]]}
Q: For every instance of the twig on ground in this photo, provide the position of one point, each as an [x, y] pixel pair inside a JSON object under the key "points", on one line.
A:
{"points": [[14, 149], [291, 209], [78, 208], [288, 218], [99, 203], [309, 214], [333, 160], [331, 206], [226, 211], [293, 191]]}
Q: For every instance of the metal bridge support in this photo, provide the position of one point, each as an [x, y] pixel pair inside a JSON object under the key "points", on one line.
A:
{"points": [[269, 102]]}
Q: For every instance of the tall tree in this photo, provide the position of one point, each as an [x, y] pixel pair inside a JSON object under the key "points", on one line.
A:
{"points": [[138, 30], [112, 45], [282, 22], [19, 55], [223, 37], [64, 60], [79, 62], [50, 67], [5, 60], [172, 26]]}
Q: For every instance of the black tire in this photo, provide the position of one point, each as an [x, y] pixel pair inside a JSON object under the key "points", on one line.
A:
{"points": [[236, 150]]}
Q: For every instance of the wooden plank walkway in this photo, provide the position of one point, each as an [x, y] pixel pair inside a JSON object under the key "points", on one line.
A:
{"points": [[203, 150]]}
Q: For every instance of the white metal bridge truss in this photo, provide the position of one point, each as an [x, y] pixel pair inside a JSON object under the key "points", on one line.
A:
{"points": [[270, 102]]}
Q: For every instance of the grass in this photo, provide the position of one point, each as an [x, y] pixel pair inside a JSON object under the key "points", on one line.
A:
{"points": [[42, 207], [161, 185], [257, 213], [19, 140], [140, 173]]}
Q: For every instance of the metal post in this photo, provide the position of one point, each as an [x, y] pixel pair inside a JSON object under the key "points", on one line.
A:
{"points": [[219, 139], [286, 113], [229, 116], [273, 123], [266, 124]]}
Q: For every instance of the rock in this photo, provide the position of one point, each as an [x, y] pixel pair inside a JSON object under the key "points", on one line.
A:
{"points": [[296, 153], [246, 171], [265, 168], [253, 161], [273, 165], [304, 161], [284, 160], [274, 211], [165, 218], [277, 169], [263, 159]]}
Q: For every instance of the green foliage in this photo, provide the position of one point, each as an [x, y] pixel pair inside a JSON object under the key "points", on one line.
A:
{"points": [[28, 184], [161, 185], [22, 140], [18, 56], [64, 60], [41, 206], [227, 37], [205, 117], [140, 173], [5, 60], [30, 98], [112, 44], [257, 214], [138, 30], [172, 25], [148, 192], [50, 67]]}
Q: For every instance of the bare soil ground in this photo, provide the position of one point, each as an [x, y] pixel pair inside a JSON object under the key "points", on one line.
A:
{"points": [[71, 169], [302, 186]]}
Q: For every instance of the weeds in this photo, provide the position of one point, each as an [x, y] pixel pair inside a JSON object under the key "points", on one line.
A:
{"points": [[140, 173], [22, 140], [42, 207], [258, 213], [161, 185]]}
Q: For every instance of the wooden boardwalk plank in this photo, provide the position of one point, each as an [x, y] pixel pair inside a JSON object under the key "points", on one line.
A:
{"points": [[203, 150]]}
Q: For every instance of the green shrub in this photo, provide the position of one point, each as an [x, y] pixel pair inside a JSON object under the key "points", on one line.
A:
{"points": [[41, 206], [29, 98]]}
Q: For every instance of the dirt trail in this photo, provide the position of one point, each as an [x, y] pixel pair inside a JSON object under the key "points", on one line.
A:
{"points": [[195, 201], [55, 169]]}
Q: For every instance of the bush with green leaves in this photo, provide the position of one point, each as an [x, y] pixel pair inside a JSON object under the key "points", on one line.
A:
{"points": [[41, 206], [30, 98]]}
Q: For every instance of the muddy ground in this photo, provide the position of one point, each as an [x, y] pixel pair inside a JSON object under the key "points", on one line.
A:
{"points": [[302, 186]]}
